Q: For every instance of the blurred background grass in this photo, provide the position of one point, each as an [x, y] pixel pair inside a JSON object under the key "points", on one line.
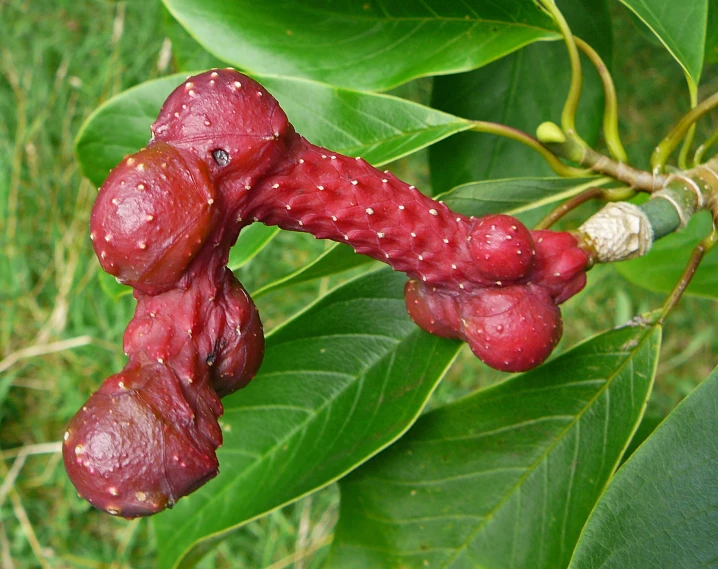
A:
{"points": [[60, 334]]}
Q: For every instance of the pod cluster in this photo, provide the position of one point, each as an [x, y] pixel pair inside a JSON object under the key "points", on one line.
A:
{"points": [[223, 155]]}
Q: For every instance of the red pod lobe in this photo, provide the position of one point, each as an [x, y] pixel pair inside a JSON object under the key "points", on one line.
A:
{"points": [[151, 217], [135, 448]]}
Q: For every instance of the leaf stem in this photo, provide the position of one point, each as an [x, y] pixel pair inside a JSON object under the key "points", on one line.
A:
{"points": [[688, 140], [694, 262], [703, 148], [610, 112], [606, 194], [519, 136], [678, 132], [565, 147], [568, 117]]}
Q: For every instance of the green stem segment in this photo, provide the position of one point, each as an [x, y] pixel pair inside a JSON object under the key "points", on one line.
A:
{"points": [[610, 111], [696, 257], [671, 141], [568, 117]]}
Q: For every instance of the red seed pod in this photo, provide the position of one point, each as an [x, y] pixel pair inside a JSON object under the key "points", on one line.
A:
{"points": [[151, 217], [560, 264], [239, 348], [503, 248], [230, 122], [138, 444], [513, 328], [223, 154]]}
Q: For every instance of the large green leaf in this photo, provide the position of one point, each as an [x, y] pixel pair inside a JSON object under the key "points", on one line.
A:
{"points": [[339, 382], [528, 199], [364, 45], [661, 509], [506, 477], [522, 91], [336, 259], [681, 27], [663, 266]]}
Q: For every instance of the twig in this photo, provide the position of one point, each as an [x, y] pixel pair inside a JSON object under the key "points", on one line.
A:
{"points": [[694, 262], [610, 111], [664, 150], [568, 117], [607, 194], [289, 559], [43, 349]]}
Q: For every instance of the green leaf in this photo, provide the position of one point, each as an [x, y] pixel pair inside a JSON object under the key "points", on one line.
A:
{"points": [[661, 508], [378, 127], [336, 259], [711, 52], [188, 55], [339, 382], [363, 45], [507, 476], [528, 199], [111, 286], [522, 91], [681, 27], [121, 126], [663, 266], [251, 240]]}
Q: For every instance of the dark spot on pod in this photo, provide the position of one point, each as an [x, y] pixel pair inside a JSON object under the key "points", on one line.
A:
{"points": [[221, 157]]}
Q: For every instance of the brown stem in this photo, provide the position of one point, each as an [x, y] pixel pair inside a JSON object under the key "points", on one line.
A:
{"points": [[607, 194], [694, 262]]}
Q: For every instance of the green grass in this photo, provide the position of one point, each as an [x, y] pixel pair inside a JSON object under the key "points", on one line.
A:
{"points": [[60, 334]]}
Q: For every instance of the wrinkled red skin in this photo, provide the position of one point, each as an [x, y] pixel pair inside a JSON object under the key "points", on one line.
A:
{"points": [[223, 155]]}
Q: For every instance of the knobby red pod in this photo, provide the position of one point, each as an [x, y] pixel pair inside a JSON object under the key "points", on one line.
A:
{"points": [[223, 155]]}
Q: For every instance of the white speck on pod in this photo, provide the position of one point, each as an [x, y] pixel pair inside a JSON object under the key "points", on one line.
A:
{"points": [[108, 237], [114, 491], [191, 93], [354, 182], [188, 85], [433, 212], [413, 234], [79, 449], [461, 286], [66, 435], [320, 188], [140, 187], [289, 207], [334, 217], [369, 211], [150, 217], [453, 266], [380, 235], [160, 361], [301, 160], [384, 180], [210, 201], [421, 257], [237, 85], [115, 201], [247, 187], [142, 245], [141, 496], [207, 123], [275, 186], [401, 207]]}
